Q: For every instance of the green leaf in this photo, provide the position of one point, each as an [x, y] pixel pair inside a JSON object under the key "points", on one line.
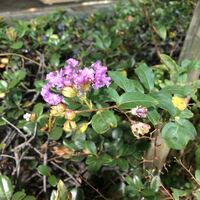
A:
{"points": [[123, 164], [16, 78], [29, 197], [6, 188], [153, 116], [146, 76], [161, 31], [178, 193], [197, 175], [105, 159], [197, 157], [93, 163], [155, 183], [62, 192], [29, 127], [177, 135], [197, 194], [186, 114], [165, 102], [126, 84], [112, 94], [17, 45], [56, 133], [38, 109], [138, 86], [137, 182], [19, 196], [103, 121], [52, 180], [130, 100], [91, 147], [55, 60], [3, 86], [171, 65], [44, 170], [179, 90]]}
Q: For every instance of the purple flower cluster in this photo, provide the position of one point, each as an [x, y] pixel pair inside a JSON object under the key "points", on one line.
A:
{"points": [[73, 76]]}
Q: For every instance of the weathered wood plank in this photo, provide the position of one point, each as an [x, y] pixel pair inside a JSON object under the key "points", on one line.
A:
{"points": [[158, 150], [191, 47]]}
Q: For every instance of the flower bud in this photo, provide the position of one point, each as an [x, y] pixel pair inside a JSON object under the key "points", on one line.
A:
{"points": [[2, 95], [69, 126], [69, 92], [83, 127], [4, 61], [33, 117], [70, 114], [139, 111], [140, 128], [58, 110]]}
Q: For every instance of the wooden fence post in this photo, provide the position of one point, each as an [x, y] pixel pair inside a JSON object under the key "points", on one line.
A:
{"points": [[159, 151]]}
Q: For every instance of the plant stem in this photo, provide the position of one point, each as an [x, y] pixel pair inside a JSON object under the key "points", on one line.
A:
{"points": [[19, 55]]}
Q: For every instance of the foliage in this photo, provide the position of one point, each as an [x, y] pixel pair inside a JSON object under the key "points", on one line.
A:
{"points": [[91, 144]]}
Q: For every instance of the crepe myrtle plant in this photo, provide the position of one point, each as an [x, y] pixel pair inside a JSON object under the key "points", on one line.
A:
{"points": [[104, 99], [86, 104]]}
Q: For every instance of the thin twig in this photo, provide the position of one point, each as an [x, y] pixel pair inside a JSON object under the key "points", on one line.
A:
{"points": [[96, 190], [19, 55], [29, 140], [188, 171], [96, 109], [45, 163], [152, 29], [13, 126], [66, 172]]}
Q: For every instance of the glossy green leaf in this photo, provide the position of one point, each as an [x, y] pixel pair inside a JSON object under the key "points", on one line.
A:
{"points": [[177, 135], [103, 121], [123, 164], [197, 157], [29, 127], [56, 133], [197, 194], [16, 78], [55, 60], [153, 116], [19, 195], [178, 193], [112, 94], [52, 180], [146, 76], [43, 170], [132, 99], [91, 147], [137, 182], [93, 163], [17, 45], [197, 175], [155, 183], [161, 31], [186, 114], [165, 102], [171, 65], [126, 84], [6, 188], [3, 86], [29, 197], [38, 109], [179, 90]]}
